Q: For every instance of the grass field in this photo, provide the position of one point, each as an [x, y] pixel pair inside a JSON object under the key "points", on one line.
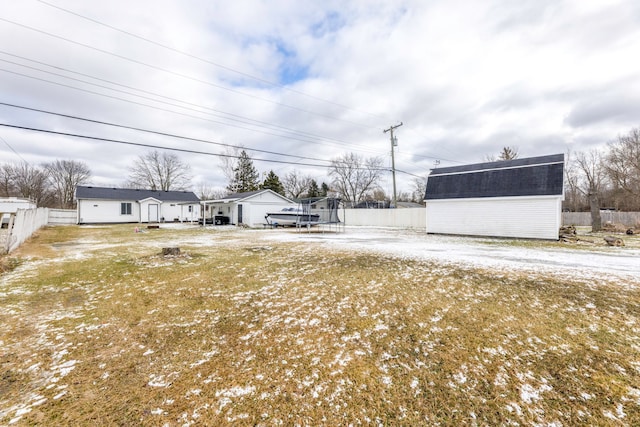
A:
{"points": [[97, 328]]}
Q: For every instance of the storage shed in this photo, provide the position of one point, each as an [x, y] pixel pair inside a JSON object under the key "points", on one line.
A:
{"points": [[519, 198]]}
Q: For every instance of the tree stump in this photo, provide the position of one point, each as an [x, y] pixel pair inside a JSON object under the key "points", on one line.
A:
{"points": [[613, 241], [170, 251]]}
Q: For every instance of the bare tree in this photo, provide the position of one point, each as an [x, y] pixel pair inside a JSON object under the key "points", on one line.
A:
{"points": [[30, 182], [160, 171], [623, 164], [207, 192], [572, 181], [353, 176], [419, 189], [592, 182], [7, 188], [228, 162], [296, 185], [65, 176]]}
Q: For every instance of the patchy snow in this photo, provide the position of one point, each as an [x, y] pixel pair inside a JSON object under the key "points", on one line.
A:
{"points": [[589, 264], [586, 263]]}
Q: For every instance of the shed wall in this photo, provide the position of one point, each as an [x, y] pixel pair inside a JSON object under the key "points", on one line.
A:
{"points": [[536, 217]]}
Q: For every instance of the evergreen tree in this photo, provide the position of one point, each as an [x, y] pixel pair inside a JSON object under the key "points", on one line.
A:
{"points": [[245, 175], [324, 190], [508, 153], [272, 182], [313, 191]]}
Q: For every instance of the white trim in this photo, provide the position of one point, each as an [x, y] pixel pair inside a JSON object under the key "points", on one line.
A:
{"points": [[494, 169], [497, 199]]}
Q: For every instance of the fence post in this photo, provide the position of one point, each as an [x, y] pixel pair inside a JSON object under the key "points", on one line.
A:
{"points": [[7, 243]]}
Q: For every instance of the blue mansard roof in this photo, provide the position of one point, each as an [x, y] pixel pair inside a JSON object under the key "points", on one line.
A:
{"points": [[533, 176]]}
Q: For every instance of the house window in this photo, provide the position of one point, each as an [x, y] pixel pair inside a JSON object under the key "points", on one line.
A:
{"points": [[125, 208], [190, 208]]}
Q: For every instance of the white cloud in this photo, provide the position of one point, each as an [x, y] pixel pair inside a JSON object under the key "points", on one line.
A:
{"points": [[466, 78]]}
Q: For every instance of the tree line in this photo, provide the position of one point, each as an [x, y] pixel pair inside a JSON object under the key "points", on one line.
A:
{"points": [[354, 179], [606, 178], [53, 184], [595, 179]]}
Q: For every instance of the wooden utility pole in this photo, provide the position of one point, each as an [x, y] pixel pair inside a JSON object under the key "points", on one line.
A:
{"points": [[394, 143]]}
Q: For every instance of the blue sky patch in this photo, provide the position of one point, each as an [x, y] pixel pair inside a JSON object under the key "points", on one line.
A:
{"points": [[291, 71]]}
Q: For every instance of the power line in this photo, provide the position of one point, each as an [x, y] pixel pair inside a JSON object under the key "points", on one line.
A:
{"points": [[207, 61], [139, 144], [219, 113], [155, 107], [12, 149], [156, 132], [249, 121], [143, 97], [184, 76], [182, 150]]}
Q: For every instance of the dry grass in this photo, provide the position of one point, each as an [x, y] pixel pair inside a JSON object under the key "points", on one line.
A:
{"points": [[97, 328]]}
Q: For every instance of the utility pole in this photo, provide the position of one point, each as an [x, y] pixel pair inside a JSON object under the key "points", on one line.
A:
{"points": [[394, 143]]}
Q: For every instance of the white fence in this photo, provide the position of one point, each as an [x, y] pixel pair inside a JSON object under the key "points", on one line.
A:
{"points": [[629, 219], [401, 218], [62, 217], [22, 225], [417, 218]]}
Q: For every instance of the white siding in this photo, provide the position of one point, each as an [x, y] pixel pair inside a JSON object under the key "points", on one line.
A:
{"points": [[12, 204], [254, 212], [254, 208], [106, 211], [182, 212], [536, 217]]}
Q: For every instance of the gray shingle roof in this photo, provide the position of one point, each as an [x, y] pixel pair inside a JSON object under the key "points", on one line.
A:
{"points": [[533, 176], [104, 193], [241, 195]]}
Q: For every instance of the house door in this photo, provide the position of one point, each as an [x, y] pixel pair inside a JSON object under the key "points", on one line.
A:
{"points": [[153, 213], [239, 214]]}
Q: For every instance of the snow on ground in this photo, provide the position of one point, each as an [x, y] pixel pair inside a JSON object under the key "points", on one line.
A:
{"points": [[583, 263], [589, 264]]}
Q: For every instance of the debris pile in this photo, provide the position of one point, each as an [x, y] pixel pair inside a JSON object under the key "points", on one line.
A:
{"points": [[568, 234], [613, 241]]}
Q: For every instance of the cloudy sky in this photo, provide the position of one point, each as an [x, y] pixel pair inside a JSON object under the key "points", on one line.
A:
{"points": [[298, 83]]}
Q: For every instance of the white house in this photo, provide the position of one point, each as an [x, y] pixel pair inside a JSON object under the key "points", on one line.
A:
{"points": [[249, 208], [123, 205], [519, 198]]}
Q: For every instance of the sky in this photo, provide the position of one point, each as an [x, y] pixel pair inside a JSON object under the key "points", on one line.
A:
{"points": [[298, 83]]}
